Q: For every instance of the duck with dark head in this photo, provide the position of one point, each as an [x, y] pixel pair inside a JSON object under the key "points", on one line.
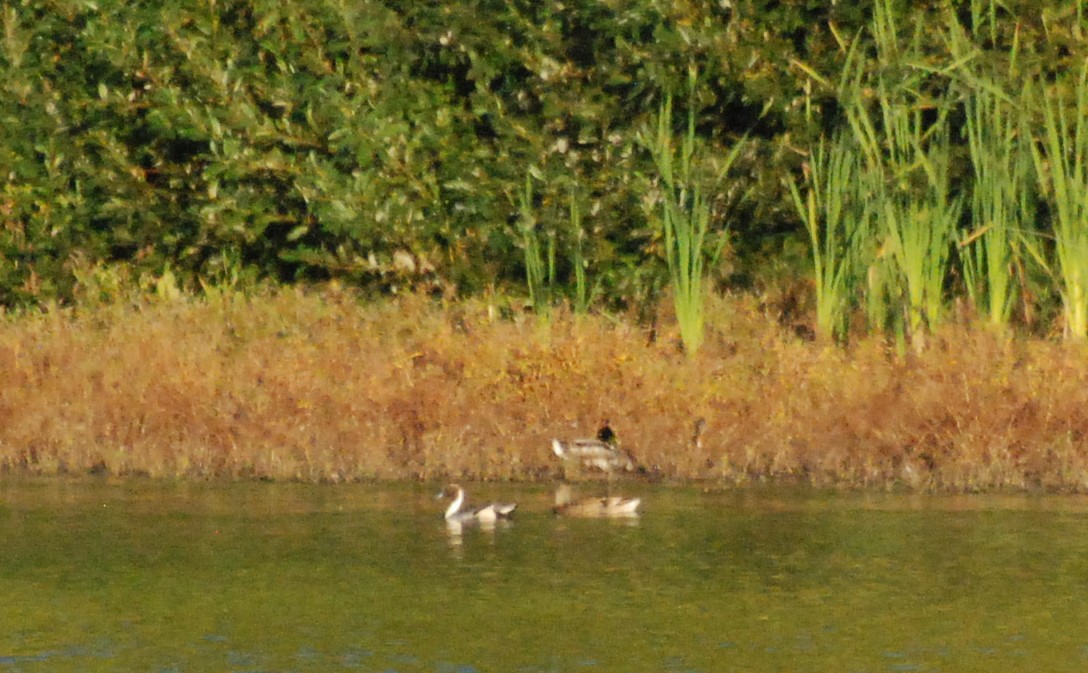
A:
{"points": [[601, 453]]}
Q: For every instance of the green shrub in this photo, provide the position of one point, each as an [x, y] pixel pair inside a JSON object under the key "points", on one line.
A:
{"points": [[320, 139], [383, 144]]}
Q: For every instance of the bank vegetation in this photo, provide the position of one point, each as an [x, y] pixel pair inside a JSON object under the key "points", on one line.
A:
{"points": [[318, 386]]}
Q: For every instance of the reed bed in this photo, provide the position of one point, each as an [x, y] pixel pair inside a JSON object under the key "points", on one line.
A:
{"points": [[957, 182], [295, 385]]}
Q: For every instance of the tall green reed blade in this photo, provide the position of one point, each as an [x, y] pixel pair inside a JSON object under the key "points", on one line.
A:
{"points": [[834, 213], [538, 274], [685, 220], [578, 261], [881, 288]]}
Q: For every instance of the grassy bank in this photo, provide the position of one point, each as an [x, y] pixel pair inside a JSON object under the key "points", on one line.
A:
{"points": [[296, 385]]}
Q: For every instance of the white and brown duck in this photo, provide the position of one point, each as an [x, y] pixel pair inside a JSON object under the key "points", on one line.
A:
{"points": [[594, 508], [459, 513]]}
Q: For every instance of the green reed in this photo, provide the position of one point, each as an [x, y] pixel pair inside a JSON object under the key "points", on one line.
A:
{"points": [[685, 219], [1001, 190], [539, 262], [904, 139], [834, 212], [1061, 159]]}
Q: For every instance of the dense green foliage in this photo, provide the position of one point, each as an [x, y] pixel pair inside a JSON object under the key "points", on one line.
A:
{"points": [[389, 143]]}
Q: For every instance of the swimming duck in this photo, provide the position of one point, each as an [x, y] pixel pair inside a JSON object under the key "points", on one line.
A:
{"points": [[488, 513], [611, 506], [600, 453]]}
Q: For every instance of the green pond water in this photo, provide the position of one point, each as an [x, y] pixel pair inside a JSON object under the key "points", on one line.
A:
{"points": [[146, 576]]}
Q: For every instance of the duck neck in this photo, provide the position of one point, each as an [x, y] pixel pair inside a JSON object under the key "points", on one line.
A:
{"points": [[455, 506]]}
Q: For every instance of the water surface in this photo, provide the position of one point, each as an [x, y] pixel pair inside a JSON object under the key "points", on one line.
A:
{"points": [[149, 576]]}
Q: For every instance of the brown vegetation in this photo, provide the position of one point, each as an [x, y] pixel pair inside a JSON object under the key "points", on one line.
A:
{"points": [[297, 385]]}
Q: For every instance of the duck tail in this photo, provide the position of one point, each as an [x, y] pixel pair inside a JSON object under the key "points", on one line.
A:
{"points": [[505, 509]]}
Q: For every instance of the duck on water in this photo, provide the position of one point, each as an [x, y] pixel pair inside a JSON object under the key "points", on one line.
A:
{"points": [[594, 508], [458, 513]]}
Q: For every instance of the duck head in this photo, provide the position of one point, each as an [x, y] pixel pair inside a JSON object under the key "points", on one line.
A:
{"points": [[455, 492]]}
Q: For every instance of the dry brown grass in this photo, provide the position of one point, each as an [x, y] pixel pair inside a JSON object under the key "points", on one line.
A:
{"points": [[298, 385]]}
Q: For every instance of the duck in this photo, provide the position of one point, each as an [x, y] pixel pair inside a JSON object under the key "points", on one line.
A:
{"points": [[601, 453], [486, 514], [609, 506]]}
